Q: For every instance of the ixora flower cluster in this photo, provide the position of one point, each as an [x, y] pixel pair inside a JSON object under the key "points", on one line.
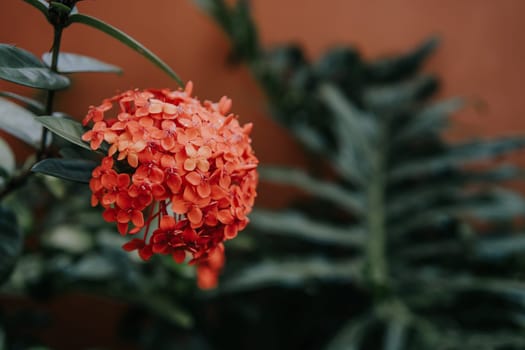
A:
{"points": [[178, 172]]}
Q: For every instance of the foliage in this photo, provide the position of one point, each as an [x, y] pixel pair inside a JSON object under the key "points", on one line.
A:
{"points": [[405, 241]]}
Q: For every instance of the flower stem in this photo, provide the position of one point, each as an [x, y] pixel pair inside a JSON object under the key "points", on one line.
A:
{"points": [[51, 93], [19, 180]]}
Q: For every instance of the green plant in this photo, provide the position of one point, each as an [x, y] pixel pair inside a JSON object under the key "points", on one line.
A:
{"points": [[414, 238]]}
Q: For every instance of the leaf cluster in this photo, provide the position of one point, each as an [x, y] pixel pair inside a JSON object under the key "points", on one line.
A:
{"points": [[420, 232]]}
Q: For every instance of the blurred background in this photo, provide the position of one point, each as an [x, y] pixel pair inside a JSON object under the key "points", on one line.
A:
{"points": [[480, 58]]}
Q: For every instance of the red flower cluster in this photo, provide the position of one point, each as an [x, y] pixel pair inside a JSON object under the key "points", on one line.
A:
{"points": [[182, 169]]}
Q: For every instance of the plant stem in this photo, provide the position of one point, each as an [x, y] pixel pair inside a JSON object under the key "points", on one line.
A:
{"points": [[51, 93], [376, 251], [19, 180]]}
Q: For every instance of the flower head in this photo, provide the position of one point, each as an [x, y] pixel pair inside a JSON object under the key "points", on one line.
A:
{"points": [[191, 173]]}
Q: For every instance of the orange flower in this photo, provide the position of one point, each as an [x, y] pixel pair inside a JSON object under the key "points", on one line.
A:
{"points": [[191, 170]]}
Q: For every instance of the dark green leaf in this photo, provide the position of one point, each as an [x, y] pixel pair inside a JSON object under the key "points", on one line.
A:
{"points": [[32, 105], [400, 67], [430, 120], [74, 63], [66, 128], [93, 267], [127, 40], [20, 122], [7, 159], [10, 242], [293, 273], [395, 336], [218, 10], [396, 96], [168, 309], [22, 67], [355, 131], [77, 170], [455, 155], [61, 8], [495, 205], [447, 187], [326, 190], [350, 335], [500, 247], [40, 5], [297, 225]]}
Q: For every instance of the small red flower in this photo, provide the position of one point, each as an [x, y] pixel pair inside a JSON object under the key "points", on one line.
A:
{"points": [[193, 174]]}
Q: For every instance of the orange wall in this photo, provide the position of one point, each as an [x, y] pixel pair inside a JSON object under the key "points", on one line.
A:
{"points": [[481, 57]]}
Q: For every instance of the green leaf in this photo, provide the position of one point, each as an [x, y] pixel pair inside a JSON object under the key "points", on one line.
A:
{"points": [[496, 205], [19, 122], [430, 120], [68, 238], [292, 273], [168, 309], [350, 335], [296, 225], [455, 156], [500, 247], [66, 128], [448, 187], [32, 105], [218, 10], [78, 170], [22, 67], [127, 40], [393, 97], [7, 158], [395, 334], [74, 63], [400, 67], [61, 8], [94, 267], [40, 5], [355, 131], [322, 189], [10, 242]]}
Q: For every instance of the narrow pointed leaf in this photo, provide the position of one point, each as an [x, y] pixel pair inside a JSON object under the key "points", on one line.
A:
{"points": [[66, 128], [321, 189], [22, 67], [396, 96], [32, 105], [355, 131], [357, 123], [500, 247], [447, 188], [350, 335], [399, 67], [127, 40], [298, 226], [218, 10], [497, 205], [456, 155], [78, 170], [7, 159], [11, 241], [20, 123], [74, 63], [430, 120], [395, 334], [40, 5], [293, 273]]}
